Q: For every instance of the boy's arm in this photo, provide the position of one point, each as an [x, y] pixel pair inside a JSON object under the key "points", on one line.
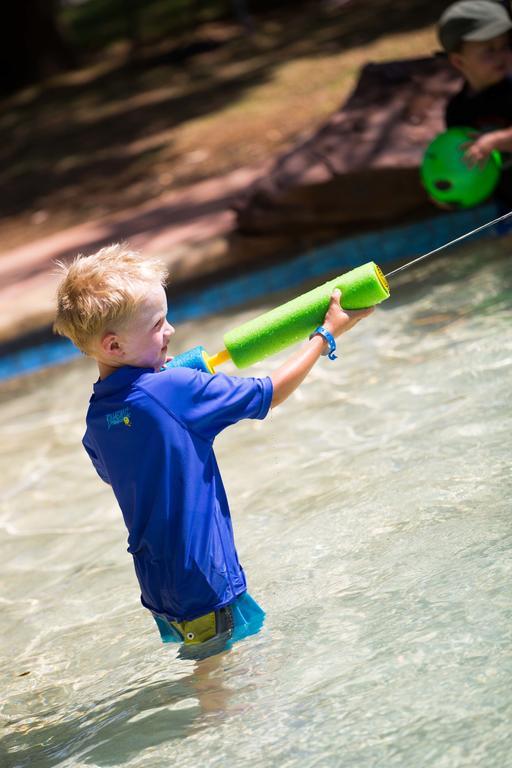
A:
{"points": [[293, 372], [478, 150], [98, 466]]}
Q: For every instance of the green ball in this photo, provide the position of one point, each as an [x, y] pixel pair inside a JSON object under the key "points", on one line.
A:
{"points": [[448, 179]]}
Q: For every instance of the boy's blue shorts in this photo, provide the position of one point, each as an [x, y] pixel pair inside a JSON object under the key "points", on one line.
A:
{"points": [[215, 631]]}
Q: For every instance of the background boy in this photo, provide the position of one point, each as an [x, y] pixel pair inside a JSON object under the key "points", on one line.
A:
{"points": [[150, 434], [476, 36]]}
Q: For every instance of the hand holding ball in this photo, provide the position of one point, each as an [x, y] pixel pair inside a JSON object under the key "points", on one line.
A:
{"points": [[447, 176]]}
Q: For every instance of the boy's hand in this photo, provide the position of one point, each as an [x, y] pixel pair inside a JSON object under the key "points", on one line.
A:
{"points": [[338, 320], [444, 206], [477, 151]]}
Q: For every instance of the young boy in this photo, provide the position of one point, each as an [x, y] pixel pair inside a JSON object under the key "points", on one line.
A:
{"points": [[476, 36], [150, 432]]}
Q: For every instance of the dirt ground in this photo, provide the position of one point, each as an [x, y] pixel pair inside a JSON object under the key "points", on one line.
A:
{"points": [[120, 132]]}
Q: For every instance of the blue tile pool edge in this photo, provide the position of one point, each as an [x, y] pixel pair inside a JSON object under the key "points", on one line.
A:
{"points": [[384, 246]]}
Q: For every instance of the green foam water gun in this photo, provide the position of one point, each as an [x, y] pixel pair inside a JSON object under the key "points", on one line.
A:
{"points": [[273, 331]]}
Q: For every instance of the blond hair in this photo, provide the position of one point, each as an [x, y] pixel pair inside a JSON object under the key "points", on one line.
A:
{"points": [[103, 289]]}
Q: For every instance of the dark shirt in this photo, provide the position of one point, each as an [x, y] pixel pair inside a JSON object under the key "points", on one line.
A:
{"points": [[487, 110]]}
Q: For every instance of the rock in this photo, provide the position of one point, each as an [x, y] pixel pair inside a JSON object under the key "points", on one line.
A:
{"points": [[359, 171]]}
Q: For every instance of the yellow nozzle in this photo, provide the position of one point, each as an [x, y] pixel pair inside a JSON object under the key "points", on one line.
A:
{"points": [[219, 358], [382, 278]]}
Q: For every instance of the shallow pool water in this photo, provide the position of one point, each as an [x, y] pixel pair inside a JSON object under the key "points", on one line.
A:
{"points": [[373, 518]]}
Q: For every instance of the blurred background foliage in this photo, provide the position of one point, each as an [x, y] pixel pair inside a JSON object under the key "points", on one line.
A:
{"points": [[41, 37]]}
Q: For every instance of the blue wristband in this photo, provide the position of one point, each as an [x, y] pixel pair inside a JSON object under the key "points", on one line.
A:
{"points": [[321, 331]]}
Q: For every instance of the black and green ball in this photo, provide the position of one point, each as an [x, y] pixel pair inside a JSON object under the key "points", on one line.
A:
{"points": [[447, 177]]}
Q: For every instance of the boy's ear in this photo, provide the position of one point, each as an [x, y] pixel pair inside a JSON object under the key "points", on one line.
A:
{"points": [[457, 61], [110, 344]]}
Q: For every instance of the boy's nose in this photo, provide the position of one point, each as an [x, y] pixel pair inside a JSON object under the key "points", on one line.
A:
{"points": [[169, 330]]}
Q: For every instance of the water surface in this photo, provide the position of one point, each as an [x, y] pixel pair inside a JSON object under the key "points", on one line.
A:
{"points": [[372, 516]]}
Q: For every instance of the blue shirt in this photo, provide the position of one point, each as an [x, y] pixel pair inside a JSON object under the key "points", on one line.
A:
{"points": [[150, 435]]}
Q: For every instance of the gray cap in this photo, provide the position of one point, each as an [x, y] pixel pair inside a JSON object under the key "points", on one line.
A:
{"points": [[472, 20]]}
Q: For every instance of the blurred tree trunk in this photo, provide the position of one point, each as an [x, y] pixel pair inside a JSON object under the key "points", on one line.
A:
{"points": [[241, 11], [31, 43], [130, 10]]}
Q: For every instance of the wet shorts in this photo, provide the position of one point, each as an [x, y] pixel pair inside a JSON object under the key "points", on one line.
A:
{"points": [[215, 631]]}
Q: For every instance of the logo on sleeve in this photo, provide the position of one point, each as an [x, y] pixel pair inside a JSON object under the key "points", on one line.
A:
{"points": [[119, 417]]}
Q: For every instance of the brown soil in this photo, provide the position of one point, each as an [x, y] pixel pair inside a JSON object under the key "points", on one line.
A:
{"points": [[121, 132]]}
